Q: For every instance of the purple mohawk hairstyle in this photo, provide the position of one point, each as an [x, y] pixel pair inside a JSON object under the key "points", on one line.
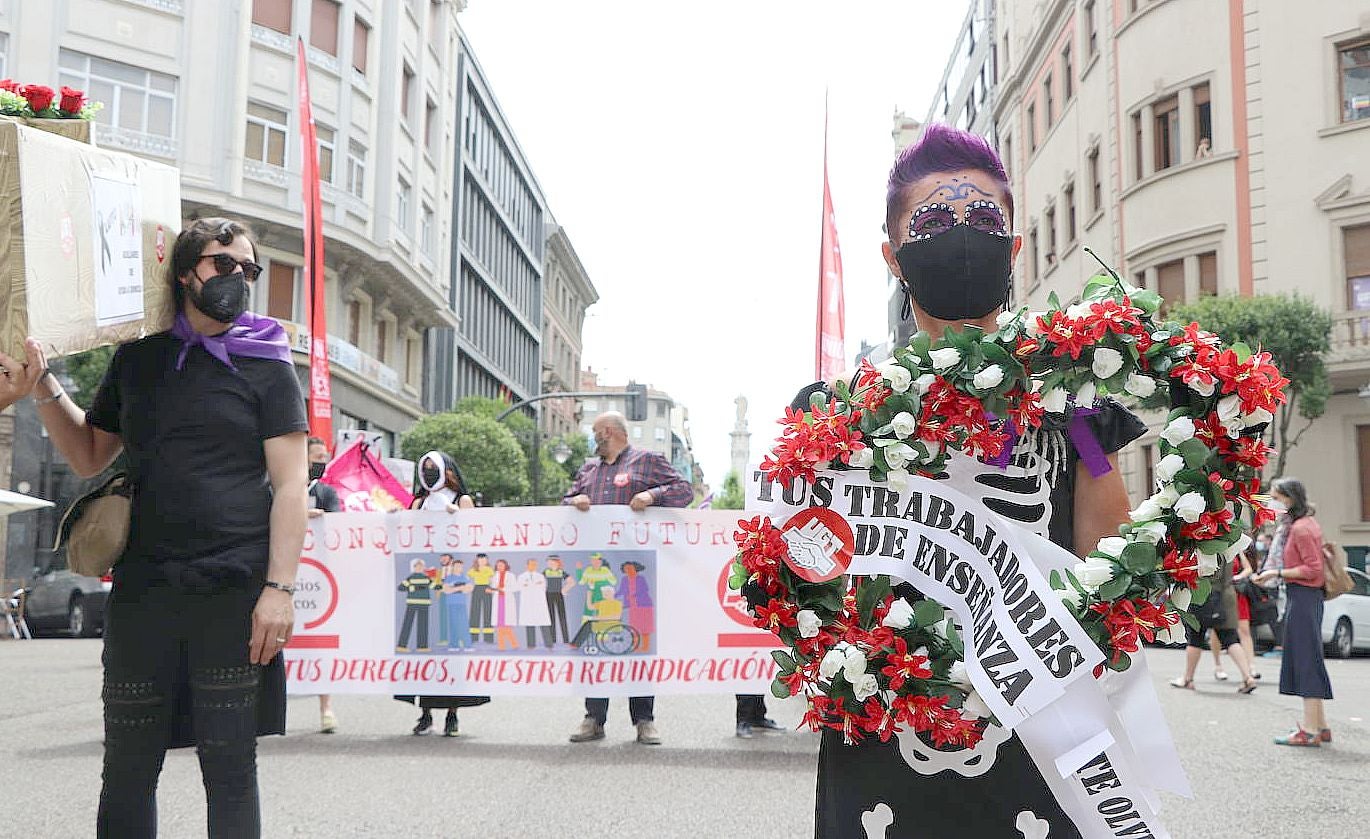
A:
{"points": [[942, 148]]}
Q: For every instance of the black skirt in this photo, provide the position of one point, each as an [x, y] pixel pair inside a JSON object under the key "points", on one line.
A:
{"points": [[1302, 671]]}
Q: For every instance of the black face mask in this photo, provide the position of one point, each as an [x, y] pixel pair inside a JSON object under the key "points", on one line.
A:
{"points": [[961, 274], [222, 298], [316, 471], [432, 477]]}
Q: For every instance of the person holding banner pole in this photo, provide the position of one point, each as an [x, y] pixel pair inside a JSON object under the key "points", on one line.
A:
{"points": [[951, 245], [439, 486], [213, 423], [322, 499], [638, 478]]}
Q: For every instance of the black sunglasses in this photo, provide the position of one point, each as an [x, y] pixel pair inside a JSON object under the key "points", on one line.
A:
{"points": [[225, 264]]}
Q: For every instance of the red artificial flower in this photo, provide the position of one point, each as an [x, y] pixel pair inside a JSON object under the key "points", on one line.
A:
{"points": [[1209, 525], [795, 681], [760, 549], [1025, 409], [1183, 568], [1111, 316], [39, 97], [1196, 337], [812, 440], [1128, 620], [776, 614], [72, 101], [1196, 371], [10, 85], [1068, 334], [903, 665]]}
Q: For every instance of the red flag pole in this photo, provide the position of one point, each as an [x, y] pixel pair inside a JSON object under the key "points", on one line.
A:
{"points": [[320, 387], [829, 351]]}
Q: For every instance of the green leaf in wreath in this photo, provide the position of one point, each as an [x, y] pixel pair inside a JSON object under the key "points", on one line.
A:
{"points": [[928, 612], [1190, 621], [1119, 662], [1202, 590], [1139, 557], [872, 591], [1115, 588], [779, 689], [1146, 300], [1194, 452], [783, 660], [1242, 350], [954, 640], [738, 577]]}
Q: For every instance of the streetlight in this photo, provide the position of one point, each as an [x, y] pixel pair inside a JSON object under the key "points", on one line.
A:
{"points": [[561, 452]]}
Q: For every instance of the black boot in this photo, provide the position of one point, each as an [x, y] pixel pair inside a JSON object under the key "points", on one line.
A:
{"points": [[425, 723], [449, 727]]}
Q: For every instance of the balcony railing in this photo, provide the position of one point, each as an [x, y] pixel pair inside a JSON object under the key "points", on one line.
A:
{"points": [[348, 357], [1350, 339]]}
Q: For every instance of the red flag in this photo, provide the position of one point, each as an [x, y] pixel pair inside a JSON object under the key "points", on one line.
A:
{"points": [[320, 388], [829, 350]]}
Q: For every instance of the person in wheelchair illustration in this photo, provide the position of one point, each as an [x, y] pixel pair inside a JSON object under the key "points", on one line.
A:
{"points": [[605, 632]]}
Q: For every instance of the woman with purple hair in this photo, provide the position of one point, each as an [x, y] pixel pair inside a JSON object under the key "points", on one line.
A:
{"points": [[949, 216]]}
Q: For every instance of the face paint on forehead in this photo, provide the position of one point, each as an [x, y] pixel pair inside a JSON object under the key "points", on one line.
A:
{"points": [[954, 190]]}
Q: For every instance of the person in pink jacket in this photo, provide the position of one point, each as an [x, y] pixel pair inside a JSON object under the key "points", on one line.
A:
{"points": [[1297, 551]]}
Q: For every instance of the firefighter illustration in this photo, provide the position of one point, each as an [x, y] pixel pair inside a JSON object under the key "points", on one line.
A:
{"points": [[418, 588]]}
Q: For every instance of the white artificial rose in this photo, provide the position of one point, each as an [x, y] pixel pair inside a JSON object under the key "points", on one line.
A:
{"points": [[1166, 497], [1093, 572], [898, 455], [1152, 532], [904, 424], [831, 663], [854, 665], [1208, 564], [1087, 395], [1179, 430], [945, 358], [1069, 596], [989, 377], [1190, 506], [1229, 408], [1168, 467], [923, 383], [974, 707], [959, 675], [865, 687], [1139, 385], [1260, 416], [1242, 543], [1202, 388], [1054, 401], [809, 623], [862, 458], [1148, 510], [1034, 323], [900, 615], [1106, 362], [897, 375], [1111, 545], [1181, 597], [1075, 311], [1004, 319], [898, 479]]}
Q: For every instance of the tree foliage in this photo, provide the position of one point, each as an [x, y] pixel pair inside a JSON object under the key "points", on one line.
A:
{"points": [[491, 459], [553, 479], [86, 370], [730, 497], [1295, 332]]}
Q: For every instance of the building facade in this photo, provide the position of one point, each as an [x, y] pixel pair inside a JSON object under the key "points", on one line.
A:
{"points": [[567, 293], [498, 253], [1203, 148]]}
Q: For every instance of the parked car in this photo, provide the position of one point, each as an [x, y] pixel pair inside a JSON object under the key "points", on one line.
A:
{"points": [[1345, 619], [62, 600]]}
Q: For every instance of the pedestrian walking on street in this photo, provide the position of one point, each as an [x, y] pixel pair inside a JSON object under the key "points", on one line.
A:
{"points": [[751, 715], [322, 499], [1297, 551], [639, 478], [213, 424], [1218, 615]]}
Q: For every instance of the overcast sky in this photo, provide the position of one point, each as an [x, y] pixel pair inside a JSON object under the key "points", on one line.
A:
{"points": [[681, 146]]}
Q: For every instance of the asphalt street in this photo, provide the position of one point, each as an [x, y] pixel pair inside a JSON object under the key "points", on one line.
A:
{"points": [[511, 773]]}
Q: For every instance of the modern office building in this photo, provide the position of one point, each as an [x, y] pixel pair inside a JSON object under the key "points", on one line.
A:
{"points": [[1202, 148]]}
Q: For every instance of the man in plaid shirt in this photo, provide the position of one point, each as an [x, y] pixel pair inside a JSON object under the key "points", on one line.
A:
{"points": [[640, 479]]}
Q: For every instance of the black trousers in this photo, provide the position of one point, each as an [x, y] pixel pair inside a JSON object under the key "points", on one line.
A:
{"points": [[547, 636], [751, 708], [556, 607], [482, 604], [413, 611], [172, 657], [640, 709]]}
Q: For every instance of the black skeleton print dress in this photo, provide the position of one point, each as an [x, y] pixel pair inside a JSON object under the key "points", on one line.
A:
{"points": [[906, 789]]}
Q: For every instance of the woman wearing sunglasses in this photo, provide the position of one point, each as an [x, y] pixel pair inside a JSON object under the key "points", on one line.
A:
{"points": [[212, 420]]}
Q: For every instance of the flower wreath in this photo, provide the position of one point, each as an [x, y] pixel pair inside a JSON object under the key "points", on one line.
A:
{"points": [[870, 662]]}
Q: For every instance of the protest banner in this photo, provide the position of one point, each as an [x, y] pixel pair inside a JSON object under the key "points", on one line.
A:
{"points": [[533, 601]]}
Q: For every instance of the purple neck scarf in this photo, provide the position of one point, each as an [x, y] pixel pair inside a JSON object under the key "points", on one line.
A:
{"points": [[250, 335]]}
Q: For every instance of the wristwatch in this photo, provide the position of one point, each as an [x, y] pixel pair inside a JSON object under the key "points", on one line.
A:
{"points": [[288, 589]]}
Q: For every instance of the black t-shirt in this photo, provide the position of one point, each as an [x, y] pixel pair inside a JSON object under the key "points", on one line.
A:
{"points": [[194, 442]]}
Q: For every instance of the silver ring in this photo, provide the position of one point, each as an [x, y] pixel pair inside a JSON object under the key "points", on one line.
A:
{"points": [[280, 640]]}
